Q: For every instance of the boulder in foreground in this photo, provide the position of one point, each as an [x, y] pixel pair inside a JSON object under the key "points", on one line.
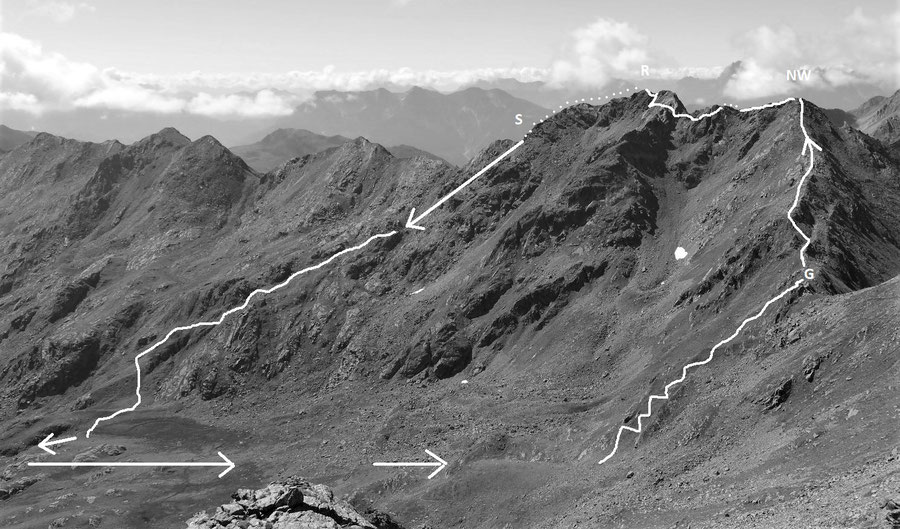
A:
{"points": [[290, 504]]}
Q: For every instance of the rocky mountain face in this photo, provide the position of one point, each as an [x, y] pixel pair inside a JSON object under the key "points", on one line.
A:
{"points": [[534, 315], [284, 144], [879, 117], [453, 126]]}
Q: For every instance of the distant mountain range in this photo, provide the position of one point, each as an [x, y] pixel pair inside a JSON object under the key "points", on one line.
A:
{"points": [[695, 92], [285, 144], [453, 126], [450, 127]]}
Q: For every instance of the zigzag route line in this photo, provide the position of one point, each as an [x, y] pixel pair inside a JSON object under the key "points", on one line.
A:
{"points": [[808, 146]]}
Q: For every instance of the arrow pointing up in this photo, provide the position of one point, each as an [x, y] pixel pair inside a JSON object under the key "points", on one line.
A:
{"points": [[412, 223], [47, 443], [225, 463], [438, 462]]}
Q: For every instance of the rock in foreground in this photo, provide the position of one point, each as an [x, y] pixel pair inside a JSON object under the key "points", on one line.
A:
{"points": [[290, 504]]}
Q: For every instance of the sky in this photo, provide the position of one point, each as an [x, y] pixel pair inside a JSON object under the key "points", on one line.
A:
{"points": [[194, 55]]}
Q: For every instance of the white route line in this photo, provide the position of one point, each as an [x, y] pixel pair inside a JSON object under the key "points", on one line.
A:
{"points": [[770, 105], [653, 103], [714, 112], [225, 314], [808, 144]]}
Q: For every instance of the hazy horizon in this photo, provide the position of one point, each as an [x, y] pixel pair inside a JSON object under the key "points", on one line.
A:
{"points": [[240, 61]]}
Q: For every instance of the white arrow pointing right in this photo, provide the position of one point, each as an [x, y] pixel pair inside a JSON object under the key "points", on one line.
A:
{"points": [[438, 462], [227, 463]]}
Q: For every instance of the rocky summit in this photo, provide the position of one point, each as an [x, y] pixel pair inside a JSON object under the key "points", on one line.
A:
{"points": [[533, 317]]}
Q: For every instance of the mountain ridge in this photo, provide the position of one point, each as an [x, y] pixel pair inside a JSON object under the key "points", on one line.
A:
{"points": [[879, 117], [548, 284], [282, 145], [452, 126]]}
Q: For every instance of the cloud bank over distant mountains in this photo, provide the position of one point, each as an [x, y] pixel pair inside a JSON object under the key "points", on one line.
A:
{"points": [[35, 80], [862, 50]]}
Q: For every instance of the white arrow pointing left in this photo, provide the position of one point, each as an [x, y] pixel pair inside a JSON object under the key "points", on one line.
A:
{"points": [[438, 462], [47, 443], [413, 220]]}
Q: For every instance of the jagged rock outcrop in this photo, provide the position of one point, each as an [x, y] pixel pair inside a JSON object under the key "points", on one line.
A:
{"points": [[892, 514], [15, 486], [289, 504]]}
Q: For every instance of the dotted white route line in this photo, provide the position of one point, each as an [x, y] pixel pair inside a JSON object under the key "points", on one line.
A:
{"points": [[224, 315], [808, 144], [625, 91]]}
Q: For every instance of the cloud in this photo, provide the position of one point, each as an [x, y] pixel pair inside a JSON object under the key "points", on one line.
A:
{"points": [[859, 50], [698, 72], [755, 80], [49, 77], [330, 79], [599, 52], [57, 10], [20, 101], [120, 96], [263, 103], [34, 80]]}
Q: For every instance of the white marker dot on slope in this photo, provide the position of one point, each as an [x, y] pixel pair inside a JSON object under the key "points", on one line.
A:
{"points": [[680, 253]]}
